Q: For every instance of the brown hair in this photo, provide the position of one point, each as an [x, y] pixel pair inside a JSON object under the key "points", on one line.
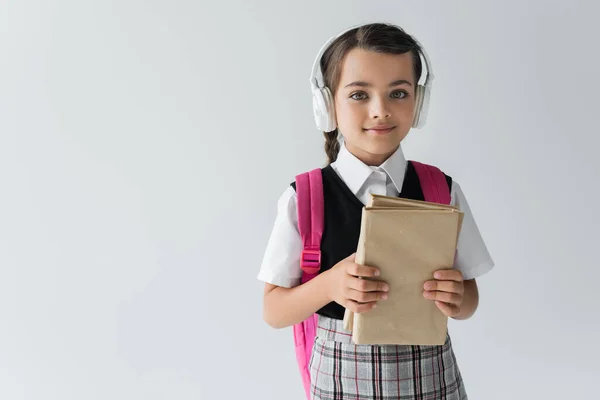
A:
{"points": [[378, 37]]}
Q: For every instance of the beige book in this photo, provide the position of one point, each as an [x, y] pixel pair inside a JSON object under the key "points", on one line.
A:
{"points": [[407, 240], [377, 201]]}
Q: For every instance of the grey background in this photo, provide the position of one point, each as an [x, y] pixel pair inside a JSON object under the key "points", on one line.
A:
{"points": [[144, 144]]}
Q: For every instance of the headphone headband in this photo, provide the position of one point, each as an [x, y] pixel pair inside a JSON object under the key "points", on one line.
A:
{"points": [[316, 76]]}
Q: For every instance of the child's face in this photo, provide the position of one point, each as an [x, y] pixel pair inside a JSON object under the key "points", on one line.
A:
{"points": [[360, 107]]}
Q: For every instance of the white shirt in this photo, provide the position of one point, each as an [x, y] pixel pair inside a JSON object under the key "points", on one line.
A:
{"points": [[281, 261]]}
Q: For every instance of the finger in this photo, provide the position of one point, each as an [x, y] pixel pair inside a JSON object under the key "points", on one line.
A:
{"points": [[445, 286], [360, 307], [368, 285], [451, 298], [447, 309], [448, 275], [365, 297], [362, 270]]}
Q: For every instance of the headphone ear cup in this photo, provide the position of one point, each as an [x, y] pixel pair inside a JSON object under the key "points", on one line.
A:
{"points": [[323, 109], [418, 120], [425, 97], [319, 109], [331, 122]]}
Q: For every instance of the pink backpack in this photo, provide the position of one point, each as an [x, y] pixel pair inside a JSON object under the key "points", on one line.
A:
{"points": [[309, 191]]}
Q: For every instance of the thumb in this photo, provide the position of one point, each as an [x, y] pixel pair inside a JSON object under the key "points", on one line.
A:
{"points": [[351, 257]]}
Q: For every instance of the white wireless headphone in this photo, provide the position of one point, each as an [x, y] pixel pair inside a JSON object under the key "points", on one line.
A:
{"points": [[323, 99]]}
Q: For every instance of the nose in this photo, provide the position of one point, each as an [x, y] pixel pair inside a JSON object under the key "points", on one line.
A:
{"points": [[379, 108]]}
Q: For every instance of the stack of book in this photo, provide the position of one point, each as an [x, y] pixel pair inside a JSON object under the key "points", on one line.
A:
{"points": [[407, 240]]}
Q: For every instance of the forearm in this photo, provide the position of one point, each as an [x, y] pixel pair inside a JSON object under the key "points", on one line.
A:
{"points": [[470, 300], [288, 306]]}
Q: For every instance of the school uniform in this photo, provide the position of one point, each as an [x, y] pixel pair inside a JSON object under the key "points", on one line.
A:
{"points": [[340, 369]]}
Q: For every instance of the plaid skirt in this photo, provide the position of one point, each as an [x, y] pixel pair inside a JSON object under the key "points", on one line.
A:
{"points": [[341, 370]]}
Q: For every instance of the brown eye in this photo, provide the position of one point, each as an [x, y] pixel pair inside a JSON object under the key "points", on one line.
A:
{"points": [[353, 96], [402, 94]]}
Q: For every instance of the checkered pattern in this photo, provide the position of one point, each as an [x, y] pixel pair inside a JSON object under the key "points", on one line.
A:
{"points": [[341, 370]]}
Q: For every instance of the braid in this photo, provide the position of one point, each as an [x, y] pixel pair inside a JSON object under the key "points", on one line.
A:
{"points": [[332, 145]]}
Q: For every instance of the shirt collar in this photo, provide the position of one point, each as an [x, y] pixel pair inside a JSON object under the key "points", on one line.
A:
{"points": [[354, 172]]}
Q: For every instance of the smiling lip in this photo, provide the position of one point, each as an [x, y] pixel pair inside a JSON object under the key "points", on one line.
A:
{"points": [[380, 129]]}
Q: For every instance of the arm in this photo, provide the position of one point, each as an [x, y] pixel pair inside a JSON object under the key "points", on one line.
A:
{"points": [[288, 306]]}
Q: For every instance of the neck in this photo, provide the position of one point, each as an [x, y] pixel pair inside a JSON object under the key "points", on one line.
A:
{"points": [[370, 159]]}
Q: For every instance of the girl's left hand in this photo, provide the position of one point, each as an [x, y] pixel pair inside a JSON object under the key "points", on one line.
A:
{"points": [[446, 290]]}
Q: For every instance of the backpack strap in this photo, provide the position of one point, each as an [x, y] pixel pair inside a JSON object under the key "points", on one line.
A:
{"points": [[309, 190], [433, 183]]}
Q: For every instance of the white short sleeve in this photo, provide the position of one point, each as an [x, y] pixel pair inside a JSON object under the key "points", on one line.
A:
{"points": [[281, 262], [472, 256]]}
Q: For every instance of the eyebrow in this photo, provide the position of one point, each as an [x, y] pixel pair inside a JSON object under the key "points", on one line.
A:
{"points": [[366, 84]]}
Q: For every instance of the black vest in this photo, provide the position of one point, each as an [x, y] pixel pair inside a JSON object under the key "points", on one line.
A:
{"points": [[343, 212]]}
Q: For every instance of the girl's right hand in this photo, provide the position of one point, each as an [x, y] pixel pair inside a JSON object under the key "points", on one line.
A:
{"points": [[351, 292]]}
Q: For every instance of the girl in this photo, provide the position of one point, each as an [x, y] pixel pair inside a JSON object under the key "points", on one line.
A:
{"points": [[372, 73]]}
